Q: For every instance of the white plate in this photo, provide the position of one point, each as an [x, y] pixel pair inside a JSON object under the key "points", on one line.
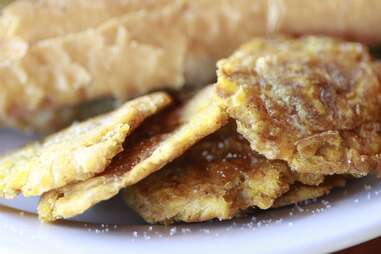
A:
{"points": [[342, 219]]}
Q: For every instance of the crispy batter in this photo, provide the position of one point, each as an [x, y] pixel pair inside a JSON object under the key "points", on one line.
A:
{"points": [[217, 178], [157, 142], [119, 59], [310, 179], [339, 152], [24, 19], [299, 192], [107, 48], [313, 102], [221, 177], [77, 153], [122, 57], [353, 19]]}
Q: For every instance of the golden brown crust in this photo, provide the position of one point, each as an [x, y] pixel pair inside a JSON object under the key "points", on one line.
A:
{"points": [[178, 52], [354, 19], [220, 178], [357, 152], [157, 142], [119, 59], [299, 192], [217, 178], [24, 19], [310, 179], [350, 19], [77, 153], [313, 101]]}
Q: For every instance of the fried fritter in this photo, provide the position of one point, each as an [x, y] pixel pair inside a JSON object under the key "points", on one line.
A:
{"points": [[217, 178], [301, 192], [107, 48], [158, 141], [25, 19], [221, 177], [77, 153], [118, 59], [312, 101]]}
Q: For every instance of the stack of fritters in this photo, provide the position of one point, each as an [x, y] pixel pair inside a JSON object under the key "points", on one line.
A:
{"points": [[218, 178], [310, 110], [288, 120]]}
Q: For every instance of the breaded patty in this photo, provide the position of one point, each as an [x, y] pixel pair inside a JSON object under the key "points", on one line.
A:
{"points": [[77, 153], [311, 101], [217, 178], [158, 141]]}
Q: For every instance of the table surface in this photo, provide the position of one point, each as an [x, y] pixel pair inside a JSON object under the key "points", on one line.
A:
{"points": [[373, 246]]}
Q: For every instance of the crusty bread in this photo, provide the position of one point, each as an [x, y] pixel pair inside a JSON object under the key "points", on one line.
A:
{"points": [[71, 51]]}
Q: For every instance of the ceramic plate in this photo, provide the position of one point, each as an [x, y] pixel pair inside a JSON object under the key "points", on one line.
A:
{"points": [[342, 219]]}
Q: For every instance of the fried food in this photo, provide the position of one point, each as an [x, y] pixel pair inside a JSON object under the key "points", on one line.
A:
{"points": [[77, 153], [352, 19], [311, 101], [48, 121], [221, 177], [119, 59], [24, 19], [107, 48], [301, 192], [157, 142], [217, 178]]}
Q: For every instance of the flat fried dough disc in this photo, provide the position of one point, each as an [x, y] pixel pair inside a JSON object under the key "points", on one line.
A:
{"points": [[311, 101], [77, 153], [217, 178], [158, 141], [221, 177], [121, 58]]}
